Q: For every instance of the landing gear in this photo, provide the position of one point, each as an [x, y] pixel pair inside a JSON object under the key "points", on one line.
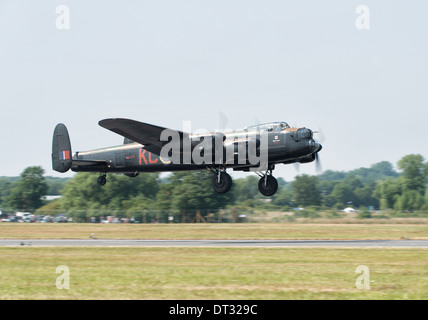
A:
{"points": [[221, 181], [268, 185], [102, 180]]}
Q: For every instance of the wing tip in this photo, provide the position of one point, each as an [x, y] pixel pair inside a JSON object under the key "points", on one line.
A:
{"points": [[105, 122]]}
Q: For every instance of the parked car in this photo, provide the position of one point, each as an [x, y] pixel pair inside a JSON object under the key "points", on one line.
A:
{"points": [[47, 219], [30, 218], [60, 219], [11, 219]]}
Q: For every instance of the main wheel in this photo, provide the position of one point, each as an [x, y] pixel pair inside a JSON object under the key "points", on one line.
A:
{"points": [[101, 180], [222, 184], [270, 187]]}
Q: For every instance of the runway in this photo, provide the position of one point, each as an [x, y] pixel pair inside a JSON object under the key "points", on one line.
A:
{"points": [[214, 243]]}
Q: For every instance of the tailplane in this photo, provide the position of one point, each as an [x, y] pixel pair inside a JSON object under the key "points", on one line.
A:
{"points": [[61, 149]]}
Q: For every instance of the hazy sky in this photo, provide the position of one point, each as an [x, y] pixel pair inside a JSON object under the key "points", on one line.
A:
{"points": [[165, 62]]}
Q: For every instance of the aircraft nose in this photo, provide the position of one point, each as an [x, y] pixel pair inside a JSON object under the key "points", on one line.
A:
{"points": [[314, 146]]}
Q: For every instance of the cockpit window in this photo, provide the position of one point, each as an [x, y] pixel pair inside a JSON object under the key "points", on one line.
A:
{"points": [[268, 127], [283, 125]]}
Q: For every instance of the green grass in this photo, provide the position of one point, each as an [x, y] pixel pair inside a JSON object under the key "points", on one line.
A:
{"points": [[214, 231], [212, 273]]}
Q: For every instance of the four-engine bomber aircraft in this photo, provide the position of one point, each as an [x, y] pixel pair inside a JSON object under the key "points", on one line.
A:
{"points": [[150, 148]]}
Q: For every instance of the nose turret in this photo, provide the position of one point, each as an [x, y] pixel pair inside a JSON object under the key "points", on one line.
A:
{"points": [[314, 146]]}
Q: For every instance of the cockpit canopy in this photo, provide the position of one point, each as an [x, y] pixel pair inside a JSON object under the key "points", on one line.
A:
{"points": [[268, 127]]}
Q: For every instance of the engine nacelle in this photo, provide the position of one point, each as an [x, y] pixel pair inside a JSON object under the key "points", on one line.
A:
{"points": [[308, 158]]}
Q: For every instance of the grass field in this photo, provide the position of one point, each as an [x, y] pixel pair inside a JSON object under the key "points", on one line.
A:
{"points": [[214, 231], [213, 273]]}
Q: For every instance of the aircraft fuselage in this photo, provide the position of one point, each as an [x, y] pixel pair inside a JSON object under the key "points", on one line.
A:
{"points": [[256, 148], [282, 147]]}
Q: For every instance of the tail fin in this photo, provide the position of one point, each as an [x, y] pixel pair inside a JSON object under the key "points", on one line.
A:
{"points": [[61, 149]]}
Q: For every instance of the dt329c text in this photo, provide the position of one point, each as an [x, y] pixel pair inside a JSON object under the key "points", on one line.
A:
{"points": [[232, 309]]}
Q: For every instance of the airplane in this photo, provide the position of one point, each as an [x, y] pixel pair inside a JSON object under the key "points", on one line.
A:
{"points": [[151, 148]]}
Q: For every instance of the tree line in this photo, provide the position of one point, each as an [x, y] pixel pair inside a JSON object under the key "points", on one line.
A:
{"points": [[377, 187]]}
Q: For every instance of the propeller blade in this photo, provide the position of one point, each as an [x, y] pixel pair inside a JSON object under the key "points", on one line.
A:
{"points": [[318, 167], [321, 136], [222, 120]]}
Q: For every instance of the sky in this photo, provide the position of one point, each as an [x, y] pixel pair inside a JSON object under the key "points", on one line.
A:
{"points": [[361, 77]]}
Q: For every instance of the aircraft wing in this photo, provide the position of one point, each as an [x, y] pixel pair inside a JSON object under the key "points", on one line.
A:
{"points": [[146, 134]]}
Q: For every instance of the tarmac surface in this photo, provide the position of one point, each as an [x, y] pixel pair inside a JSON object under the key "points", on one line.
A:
{"points": [[215, 243]]}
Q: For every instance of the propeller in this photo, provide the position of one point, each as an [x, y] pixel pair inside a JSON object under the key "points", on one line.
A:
{"points": [[318, 167], [321, 139], [321, 136], [222, 120]]}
